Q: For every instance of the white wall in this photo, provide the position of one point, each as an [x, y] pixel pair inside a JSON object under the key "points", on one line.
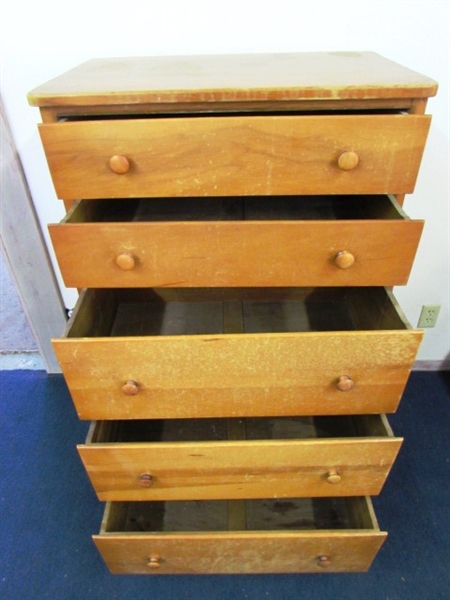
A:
{"points": [[42, 38]]}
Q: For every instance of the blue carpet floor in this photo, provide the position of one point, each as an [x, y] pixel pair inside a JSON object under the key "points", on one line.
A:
{"points": [[49, 511]]}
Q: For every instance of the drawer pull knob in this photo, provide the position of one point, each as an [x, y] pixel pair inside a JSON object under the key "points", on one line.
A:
{"points": [[344, 259], [125, 261], [345, 383], [119, 164], [333, 476], [154, 562], [324, 561], [145, 480], [348, 161], [130, 387]]}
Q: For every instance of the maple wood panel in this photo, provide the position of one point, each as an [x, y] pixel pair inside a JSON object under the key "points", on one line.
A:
{"points": [[235, 155], [240, 469], [186, 355], [277, 253], [168, 81], [255, 374], [282, 552], [257, 550]]}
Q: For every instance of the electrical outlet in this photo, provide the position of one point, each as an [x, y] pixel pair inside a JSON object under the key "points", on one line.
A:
{"points": [[429, 315]]}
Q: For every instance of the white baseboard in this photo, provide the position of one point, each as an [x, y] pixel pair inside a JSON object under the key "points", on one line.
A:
{"points": [[432, 365]]}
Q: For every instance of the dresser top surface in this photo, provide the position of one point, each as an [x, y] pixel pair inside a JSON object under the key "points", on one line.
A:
{"points": [[233, 78]]}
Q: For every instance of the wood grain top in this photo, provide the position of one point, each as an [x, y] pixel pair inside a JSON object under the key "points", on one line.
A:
{"points": [[233, 78]]}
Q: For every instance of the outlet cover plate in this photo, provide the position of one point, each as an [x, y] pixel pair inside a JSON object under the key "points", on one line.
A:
{"points": [[429, 315]]}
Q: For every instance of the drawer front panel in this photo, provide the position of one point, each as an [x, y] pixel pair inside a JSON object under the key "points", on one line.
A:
{"points": [[246, 553], [268, 543], [236, 254], [232, 156], [241, 469], [208, 376]]}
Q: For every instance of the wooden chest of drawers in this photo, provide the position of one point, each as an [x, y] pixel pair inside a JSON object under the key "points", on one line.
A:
{"points": [[234, 225]]}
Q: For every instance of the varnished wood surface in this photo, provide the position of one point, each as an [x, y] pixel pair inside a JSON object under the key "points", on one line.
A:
{"points": [[255, 550], [235, 155], [223, 553], [230, 126], [303, 458], [219, 78], [284, 371], [235, 251]]}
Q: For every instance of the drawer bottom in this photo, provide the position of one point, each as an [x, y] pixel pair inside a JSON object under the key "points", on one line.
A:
{"points": [[251, 536]]}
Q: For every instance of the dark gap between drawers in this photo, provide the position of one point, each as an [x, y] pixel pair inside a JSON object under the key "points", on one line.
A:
{"points": [[268, 428], [323, 208], [232, 112], [206, 311], [196, 318], [284, 514]]}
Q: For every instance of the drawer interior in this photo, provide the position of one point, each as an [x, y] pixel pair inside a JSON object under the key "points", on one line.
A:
{"points": [[237, 209], [197, 311], [249, 515], [277, 428]]}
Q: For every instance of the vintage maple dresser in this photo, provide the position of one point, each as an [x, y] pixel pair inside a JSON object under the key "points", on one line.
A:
{"points": [[235, 226]]}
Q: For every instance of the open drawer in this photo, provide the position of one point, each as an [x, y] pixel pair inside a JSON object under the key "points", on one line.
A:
{"points": [[264, 536], [264, 241], [250, 154], [239, 458], [181, 353]]}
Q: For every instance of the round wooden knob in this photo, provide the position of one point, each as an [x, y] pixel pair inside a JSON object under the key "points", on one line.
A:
{"points": [[119, 164], [333, 476], [125, 261], [344, 259], [130, 387], [347, 161], [145, 480], [324, 561], [345, 383], [154, 562]]}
